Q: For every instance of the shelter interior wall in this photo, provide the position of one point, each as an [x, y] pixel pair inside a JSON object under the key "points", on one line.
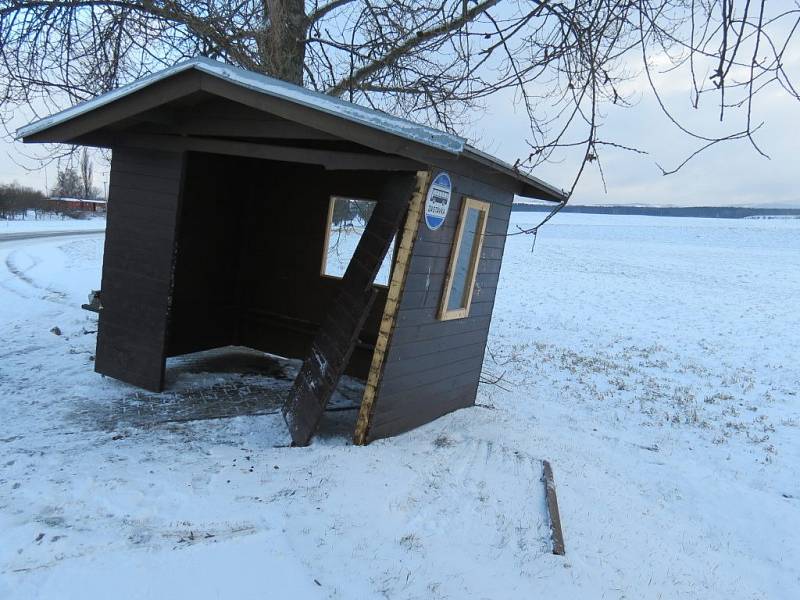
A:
{"points": [[249, 252]]}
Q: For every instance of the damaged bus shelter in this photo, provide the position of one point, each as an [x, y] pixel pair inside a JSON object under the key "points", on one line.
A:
{"points": [[226, 190]]}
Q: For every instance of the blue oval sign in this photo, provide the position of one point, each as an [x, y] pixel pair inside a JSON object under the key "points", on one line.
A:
{"points": [[438, 201]]}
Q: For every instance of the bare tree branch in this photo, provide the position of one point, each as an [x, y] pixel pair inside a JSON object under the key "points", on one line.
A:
{"points": [[434, 61]]}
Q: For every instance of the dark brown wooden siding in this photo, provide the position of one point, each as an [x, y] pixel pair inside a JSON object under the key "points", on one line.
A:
{"points": [[249, 256], [282, 295], [432, 367], [144, 200], [204, 307]]}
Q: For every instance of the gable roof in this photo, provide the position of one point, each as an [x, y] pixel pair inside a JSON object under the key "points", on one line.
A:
{"points": [[434, 139]]}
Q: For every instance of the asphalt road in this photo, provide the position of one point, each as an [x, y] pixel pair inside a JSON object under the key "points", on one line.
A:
{"points": [[32, 235]]}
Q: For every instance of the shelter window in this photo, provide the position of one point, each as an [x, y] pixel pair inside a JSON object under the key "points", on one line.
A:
{"points": [[463, 268], [347, 219]]}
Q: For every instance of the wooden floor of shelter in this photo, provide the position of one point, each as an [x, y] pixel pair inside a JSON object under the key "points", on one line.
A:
{"points": [[221, 383]]}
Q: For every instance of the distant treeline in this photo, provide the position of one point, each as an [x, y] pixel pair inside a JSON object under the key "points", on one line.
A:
{"points": [[712, 212], [347, 210], [16, 201]]}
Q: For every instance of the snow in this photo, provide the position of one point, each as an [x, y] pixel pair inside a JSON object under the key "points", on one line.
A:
{"points": [[50, 225], [653, 361]]}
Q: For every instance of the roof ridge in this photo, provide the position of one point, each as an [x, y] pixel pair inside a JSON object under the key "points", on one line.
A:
{"points": [[273, 87]]}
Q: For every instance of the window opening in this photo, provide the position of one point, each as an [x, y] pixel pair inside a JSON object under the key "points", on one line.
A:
{"points": [[463, 268], [347, 219]]}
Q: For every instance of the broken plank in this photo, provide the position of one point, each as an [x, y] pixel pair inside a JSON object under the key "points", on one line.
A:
{"points": [[337, 337], [552, 508]]}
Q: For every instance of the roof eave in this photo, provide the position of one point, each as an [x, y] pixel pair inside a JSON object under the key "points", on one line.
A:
{"points": [[542, 191], [73, 112], [529, 186]]}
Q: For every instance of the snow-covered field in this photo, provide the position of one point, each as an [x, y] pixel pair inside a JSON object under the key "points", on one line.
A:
{"points": [[655, 362]]}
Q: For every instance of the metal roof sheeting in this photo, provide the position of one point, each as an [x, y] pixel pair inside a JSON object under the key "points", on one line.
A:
{"points": [[272, 87]]}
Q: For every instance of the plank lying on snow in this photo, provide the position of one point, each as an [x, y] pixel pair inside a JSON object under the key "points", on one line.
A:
{"points": [[552, 508]]}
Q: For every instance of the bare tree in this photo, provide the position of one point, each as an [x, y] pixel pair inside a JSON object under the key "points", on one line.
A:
{"points": [[17, 200], [437, 61], [68, 184], [87, 189]]}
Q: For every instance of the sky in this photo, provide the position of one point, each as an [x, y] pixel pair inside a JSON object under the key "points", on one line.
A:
{"points": [[732, 173]]}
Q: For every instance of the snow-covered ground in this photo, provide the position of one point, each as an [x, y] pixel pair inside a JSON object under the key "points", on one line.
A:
{"points": [[655, 362], [51, 224]]}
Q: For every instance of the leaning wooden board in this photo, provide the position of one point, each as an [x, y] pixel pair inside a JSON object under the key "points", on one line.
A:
{"points": [[396, 286], [338, 334], [552, 508]]}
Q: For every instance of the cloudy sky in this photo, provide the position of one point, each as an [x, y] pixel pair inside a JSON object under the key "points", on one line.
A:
{"points": [[731, 173], [728, 174]]}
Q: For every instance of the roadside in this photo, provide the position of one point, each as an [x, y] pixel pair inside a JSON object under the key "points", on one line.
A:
{"points": [[12, 229], [12, 237]]}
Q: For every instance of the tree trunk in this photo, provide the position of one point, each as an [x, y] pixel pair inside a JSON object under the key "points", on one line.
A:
{"points": [[283, 49]]}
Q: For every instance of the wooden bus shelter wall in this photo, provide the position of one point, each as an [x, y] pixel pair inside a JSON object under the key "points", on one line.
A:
{"points": [[250, 249], [282, 245], [246, 237], [432, 367], [137, 265]]}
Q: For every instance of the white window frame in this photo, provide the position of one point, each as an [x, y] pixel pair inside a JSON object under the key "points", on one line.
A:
{"points": [[475, 259]]}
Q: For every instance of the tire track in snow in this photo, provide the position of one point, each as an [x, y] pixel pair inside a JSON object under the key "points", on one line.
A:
{"points": [[20, 274], [17, 271]]}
